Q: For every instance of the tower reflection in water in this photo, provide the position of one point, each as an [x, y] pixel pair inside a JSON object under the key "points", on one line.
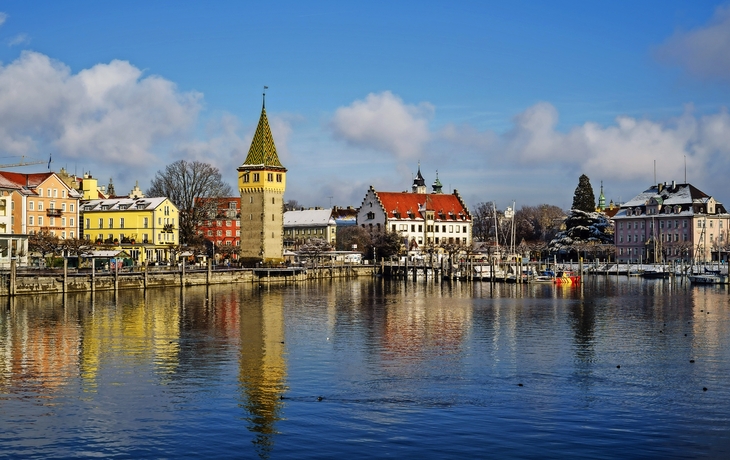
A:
{"points": [[262, 369]]}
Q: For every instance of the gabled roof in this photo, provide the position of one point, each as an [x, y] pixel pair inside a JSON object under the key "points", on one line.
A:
{"points": [[27, 183], [263, 150], [403, 205], [308, 218]]}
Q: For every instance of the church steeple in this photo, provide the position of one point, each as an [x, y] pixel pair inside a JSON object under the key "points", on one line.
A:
{"points": [[601, 200]]}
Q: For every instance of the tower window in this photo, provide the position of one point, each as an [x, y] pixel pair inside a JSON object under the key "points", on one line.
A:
{"points": [[278, 178], [273, 201], [256, 177], [270, 177], [246, 178]]}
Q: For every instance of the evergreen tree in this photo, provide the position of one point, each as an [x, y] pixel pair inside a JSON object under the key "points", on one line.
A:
{"points": [[584, 200]]}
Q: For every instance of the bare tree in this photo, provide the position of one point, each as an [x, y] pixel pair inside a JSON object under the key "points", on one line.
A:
{"points": [[314, 248], [194, 187], [483, 222], [44, 243], [347, 237]]}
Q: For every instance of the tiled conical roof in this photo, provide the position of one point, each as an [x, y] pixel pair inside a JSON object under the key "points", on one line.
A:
{"points": [[263, 149]]}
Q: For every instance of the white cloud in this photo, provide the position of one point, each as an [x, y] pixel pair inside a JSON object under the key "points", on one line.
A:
{"points": [[535, 162], [384, 122], [20, 39], [703, 52], [3, 18], [109, 112]]}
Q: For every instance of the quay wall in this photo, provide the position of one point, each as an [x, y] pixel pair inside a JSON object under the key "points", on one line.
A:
{"points": [[16, 283]]}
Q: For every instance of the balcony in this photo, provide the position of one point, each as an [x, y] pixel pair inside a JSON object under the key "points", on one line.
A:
{"points": [[53, 212]]}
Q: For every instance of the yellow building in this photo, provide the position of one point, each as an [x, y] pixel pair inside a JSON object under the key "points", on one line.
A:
{"points": [[146, 228], [262, 182]]}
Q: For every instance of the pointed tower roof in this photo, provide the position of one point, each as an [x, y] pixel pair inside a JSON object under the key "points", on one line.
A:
{"points": [[437, 184], [263, 149]]}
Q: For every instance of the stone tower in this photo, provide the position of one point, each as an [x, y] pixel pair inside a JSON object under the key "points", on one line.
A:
{"points": [[261, 182]]}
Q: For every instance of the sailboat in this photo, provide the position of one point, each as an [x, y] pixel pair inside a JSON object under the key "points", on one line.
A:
{"points": [[706, 276]]}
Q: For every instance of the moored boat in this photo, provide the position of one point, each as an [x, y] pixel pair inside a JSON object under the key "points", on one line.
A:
{"points": [[567, 277]]}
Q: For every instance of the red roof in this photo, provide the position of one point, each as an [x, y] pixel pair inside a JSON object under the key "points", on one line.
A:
{"points": [[18, 180], [405, 205]]}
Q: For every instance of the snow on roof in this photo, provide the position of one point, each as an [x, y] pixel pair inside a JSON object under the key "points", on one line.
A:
{"points": [[308, 218]]}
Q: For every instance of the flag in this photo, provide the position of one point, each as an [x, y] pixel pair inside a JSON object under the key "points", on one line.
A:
{"points": [[49, 161]]}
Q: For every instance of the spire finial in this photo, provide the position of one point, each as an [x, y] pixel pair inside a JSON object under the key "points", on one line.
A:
{"points": [[263, 106]]}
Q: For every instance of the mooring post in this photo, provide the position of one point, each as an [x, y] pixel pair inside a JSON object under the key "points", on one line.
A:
{"points": [[11, 288]]}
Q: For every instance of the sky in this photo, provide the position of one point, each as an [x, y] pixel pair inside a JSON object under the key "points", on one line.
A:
{"points": [[506, 101]]}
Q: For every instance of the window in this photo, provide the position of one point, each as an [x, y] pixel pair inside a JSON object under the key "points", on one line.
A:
{"points": [[111, 222], [278, 178], [245, 178], [40, 221], [30, 205], [145, 222], [121, 222], [464, 229], [228, 233], [71, 207], [420, 228], [63, 221], [443, 228], [255, 177], [40, 192], [451, 228], [30, 220], [101, 222], [413, 227], [270, 177], [393, 227], [218, 233], [458, 229], [40, 206]]}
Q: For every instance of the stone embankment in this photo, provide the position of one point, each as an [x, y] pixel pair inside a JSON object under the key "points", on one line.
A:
{"points": [[15, 282]]}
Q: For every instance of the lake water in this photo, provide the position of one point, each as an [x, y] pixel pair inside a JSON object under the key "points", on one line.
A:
{"points": [[370, 368]]}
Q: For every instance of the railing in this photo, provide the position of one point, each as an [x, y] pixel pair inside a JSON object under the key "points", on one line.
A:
{"points": [[53, 212]]}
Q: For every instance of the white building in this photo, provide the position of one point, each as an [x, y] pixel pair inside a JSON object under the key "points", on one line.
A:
{"points": [[422, 219]]}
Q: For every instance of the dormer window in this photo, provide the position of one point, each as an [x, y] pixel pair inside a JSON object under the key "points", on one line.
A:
{"points": [[371, 215]]}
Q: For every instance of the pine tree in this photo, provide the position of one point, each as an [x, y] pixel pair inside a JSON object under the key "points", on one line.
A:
{"points": [[584, 200]]}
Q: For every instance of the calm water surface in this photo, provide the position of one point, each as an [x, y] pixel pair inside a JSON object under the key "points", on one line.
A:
{"points": [[364, 369]]}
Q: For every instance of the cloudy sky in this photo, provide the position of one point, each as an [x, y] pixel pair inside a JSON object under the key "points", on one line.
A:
{"points": [[508, 101]]}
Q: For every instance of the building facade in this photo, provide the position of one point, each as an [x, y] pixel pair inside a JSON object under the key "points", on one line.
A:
{"points": [[302, 226], [261, 183], [223, 228], [670, 222], [422, 219], [146, 228]]}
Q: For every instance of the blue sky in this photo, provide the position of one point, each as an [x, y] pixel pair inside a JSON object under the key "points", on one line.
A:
{"points": [[509, 101]]}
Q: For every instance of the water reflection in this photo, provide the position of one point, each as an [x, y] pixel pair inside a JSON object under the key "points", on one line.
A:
{"points": [[262, 367], [403, 368]]}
